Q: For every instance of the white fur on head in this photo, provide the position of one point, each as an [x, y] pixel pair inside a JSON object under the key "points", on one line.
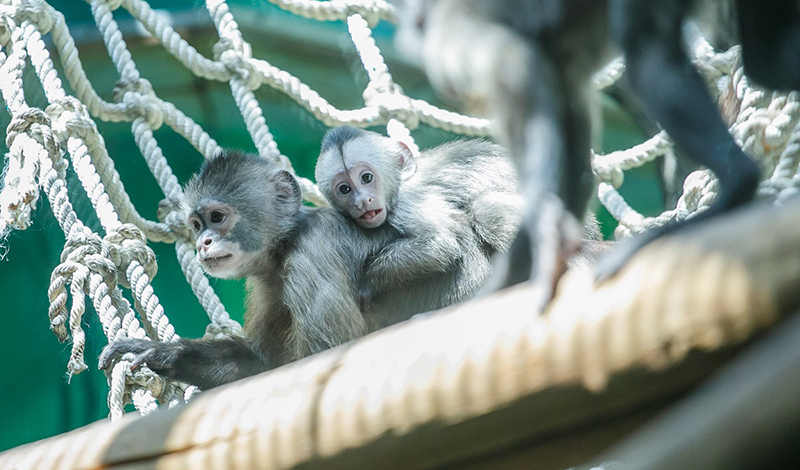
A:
{"points": [[345, 146]]}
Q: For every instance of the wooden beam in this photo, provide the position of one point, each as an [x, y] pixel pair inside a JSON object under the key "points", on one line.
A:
{"points": [[485, 382]]}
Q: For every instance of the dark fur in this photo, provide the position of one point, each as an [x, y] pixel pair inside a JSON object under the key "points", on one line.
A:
{"points": [[529, 65], [338, 136]]}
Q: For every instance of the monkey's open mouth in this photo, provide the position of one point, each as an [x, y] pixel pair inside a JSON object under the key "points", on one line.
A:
{"points": [[369, 215]]}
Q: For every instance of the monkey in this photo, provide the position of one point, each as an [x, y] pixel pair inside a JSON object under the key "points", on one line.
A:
{"points": [[529, 65], [454, 206], [302, 267]]}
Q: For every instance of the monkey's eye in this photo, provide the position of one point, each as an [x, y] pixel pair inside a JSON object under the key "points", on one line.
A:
{"points": [[196, 225], [343, 189], [366, 178], [216, 217]]}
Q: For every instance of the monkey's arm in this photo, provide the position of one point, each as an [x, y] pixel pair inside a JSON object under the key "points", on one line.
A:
{"points": [[432, 229], [206, 363]]}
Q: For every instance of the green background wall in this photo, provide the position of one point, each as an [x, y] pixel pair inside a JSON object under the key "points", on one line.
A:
{"points": [[36, 399]]}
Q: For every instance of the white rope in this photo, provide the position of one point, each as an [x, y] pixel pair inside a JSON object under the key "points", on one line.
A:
{"points": [[768, 127]]}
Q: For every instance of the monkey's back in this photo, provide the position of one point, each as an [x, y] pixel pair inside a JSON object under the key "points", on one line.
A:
{"points": [[480, 179]]}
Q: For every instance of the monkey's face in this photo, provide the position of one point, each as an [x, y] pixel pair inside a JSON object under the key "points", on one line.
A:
{"points": [[219, 250], [357, 191]]}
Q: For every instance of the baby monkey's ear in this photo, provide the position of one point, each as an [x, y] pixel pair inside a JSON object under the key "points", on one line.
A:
{"points": [[408, 162]]}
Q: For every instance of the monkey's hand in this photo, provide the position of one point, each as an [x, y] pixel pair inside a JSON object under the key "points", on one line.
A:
{"points": [[159, 357], [206, 363]]}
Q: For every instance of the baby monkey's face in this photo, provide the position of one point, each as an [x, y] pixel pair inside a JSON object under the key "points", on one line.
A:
{"points": [[357, 191]]}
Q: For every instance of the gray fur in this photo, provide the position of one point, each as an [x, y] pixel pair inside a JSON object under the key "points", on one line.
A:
{"points": [[459, 208], [302, 282]]}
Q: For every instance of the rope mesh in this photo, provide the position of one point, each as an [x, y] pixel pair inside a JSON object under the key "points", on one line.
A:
{"points": [[98, 266]]}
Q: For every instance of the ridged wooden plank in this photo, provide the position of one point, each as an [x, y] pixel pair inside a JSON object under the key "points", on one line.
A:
{"points": [[480, 381]]}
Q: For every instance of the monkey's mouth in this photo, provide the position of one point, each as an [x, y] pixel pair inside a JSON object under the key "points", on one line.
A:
{"points": [[369, 215], [213, 261]]}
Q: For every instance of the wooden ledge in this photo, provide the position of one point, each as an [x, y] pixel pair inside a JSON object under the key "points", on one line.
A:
{"points": [[485, 384]]}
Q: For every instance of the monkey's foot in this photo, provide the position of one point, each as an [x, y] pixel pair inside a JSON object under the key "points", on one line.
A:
{"points": [[540, 253]]}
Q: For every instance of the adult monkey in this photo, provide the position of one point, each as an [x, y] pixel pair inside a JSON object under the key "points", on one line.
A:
{"points": [[302, 265], [530, 63]]}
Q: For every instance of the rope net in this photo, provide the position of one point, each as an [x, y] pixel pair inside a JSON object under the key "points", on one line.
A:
{"points": [[99, 266]]}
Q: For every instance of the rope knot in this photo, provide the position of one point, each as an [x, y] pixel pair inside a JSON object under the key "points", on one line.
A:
{"points": [[36, 124], [113, 4], [127, 244], [171, 212], [144, 377], [140, 100], [70, 117], [237, 64], [392, 103], [23, 121], [370, 10], [84, 247], [37, 12], [610, 174]]}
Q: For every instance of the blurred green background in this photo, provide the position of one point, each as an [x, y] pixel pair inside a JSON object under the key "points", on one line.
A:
{"points": [[36, 399]]}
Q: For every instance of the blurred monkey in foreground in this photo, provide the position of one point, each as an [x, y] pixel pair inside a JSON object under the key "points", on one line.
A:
{"points": [[529, 63]]}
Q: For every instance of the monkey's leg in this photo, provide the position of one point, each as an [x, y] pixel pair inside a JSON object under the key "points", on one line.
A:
{"points": [[675, 93], [321, 298], [770, 35], [206, 363], [496, 217], [548, 127]]}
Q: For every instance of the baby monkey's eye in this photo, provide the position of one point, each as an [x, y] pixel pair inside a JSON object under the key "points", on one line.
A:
{"points": [[343, 189], [196, 225], [366, 178], [216, 217]]}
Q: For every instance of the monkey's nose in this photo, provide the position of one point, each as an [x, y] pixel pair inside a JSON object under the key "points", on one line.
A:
{"points": [[362, 202], [206, 243]]}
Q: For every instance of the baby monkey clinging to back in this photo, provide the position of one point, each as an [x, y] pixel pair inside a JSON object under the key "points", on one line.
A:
{"points": [[454, 206]]}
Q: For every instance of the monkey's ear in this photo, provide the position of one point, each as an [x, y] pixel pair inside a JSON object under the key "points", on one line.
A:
{"points": [[406, 155], [408, 164], [286, 187]]}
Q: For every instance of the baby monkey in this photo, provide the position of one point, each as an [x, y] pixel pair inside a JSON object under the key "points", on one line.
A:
{"points": [[454, 206]]}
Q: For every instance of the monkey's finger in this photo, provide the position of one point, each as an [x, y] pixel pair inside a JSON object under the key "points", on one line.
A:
{"points": [[142, 359], [104, 361], [110, 355]]}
